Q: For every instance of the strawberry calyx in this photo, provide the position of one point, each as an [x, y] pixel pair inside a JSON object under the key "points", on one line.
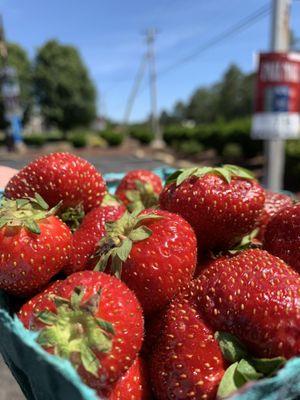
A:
{"points": [[243, 367], [73, 216], [120, 236], [247, 242], [227, 172], [142, 197], [110, 200], [25, 212], [74, 332]]}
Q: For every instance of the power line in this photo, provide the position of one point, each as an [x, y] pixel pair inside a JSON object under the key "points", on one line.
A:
{"points": [[241, 25]]}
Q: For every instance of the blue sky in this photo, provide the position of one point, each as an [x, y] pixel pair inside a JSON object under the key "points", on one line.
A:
{"points": [[108, 34]]}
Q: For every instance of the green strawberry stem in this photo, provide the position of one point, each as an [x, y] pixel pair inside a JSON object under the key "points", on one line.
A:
{"points": [[74, 332], [243, 367], [25, 212], [227, 172], [121, 235], [142, 197], [73, 216]]}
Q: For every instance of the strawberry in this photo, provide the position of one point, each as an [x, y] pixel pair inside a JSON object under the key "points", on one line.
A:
{"points": [[282, 235], [93, 320], [91, 230], [187, 362], [222, 204], [59, 177], [154, 253], [254, 296], [274, 202], [33, 304], [34, 245], [134, 385], [139, 188]]}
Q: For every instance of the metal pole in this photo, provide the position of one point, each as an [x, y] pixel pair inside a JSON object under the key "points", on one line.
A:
{"points": [[158, 142], [275, 149]]}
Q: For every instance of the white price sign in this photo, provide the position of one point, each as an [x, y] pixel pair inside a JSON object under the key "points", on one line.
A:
{"points": [[272, 126]]}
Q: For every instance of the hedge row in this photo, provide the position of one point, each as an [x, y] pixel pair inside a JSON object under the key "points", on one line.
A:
{"points": [[217, 136]]}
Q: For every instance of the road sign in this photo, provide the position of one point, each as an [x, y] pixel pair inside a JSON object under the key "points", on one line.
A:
{"points": [[277, 99]]}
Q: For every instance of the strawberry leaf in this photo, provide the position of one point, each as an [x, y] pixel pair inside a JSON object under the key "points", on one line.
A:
{"points": [[232, 380], [105, 326], [232, 349], [124, 250], [268, 366], [248, 371], [89, 360], [32, 226], [173, 177], [185, 174], [40, 201], [140, 233], [239, 171]]}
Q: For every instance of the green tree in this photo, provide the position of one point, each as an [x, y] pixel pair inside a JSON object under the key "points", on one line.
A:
{"points": [[63, 87], [17, 58], [231, 95], [203, 104]]}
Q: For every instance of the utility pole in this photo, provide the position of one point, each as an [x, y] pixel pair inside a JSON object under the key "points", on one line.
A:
{"points": [[150, 39], [135, 88], [275, 149]]}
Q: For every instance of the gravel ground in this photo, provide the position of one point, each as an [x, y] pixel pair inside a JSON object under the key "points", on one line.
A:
{"points": [[105, 161]]}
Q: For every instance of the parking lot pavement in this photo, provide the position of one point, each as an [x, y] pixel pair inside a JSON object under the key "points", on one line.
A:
{"points": [[9, 389]]}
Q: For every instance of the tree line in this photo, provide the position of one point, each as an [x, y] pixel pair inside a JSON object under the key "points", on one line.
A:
{"points": [[227, 99], [57, 81]]}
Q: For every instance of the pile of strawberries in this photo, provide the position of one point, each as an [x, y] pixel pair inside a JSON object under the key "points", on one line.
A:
{"points": [[186, 291]]}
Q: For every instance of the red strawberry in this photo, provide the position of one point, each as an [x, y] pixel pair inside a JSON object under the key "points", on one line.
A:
{"points": [[254, 296], [282, 235], [274, 202], [155, 254], [134, 385], [221, 204], [187, 362], [34, 245], [40, 299], [139, 188], [91, 230], [93, 320], [59, 177]]}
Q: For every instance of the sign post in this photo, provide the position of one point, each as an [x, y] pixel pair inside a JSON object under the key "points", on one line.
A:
{"points": [[276, 115]]}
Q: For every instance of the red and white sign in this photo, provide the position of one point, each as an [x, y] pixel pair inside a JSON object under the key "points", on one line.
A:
{"points": [[277, 99]]}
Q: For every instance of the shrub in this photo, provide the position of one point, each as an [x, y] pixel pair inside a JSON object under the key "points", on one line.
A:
{"points": [[142, 134], [113, 138], [96, 141], [35, 139], [78, 139], [190, 147], [232, 151], [54, 135]]}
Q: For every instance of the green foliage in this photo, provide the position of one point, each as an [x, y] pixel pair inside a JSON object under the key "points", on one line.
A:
{"points": [[217, 136], [54, 135], [63, 87], [18, 58], [78, 138], [189, 147], [35, 139], [141, 133], [232, 151], [112, 138]]}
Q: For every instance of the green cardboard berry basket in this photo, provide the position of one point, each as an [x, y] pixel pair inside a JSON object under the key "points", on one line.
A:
{"points": [[42, 376]]}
